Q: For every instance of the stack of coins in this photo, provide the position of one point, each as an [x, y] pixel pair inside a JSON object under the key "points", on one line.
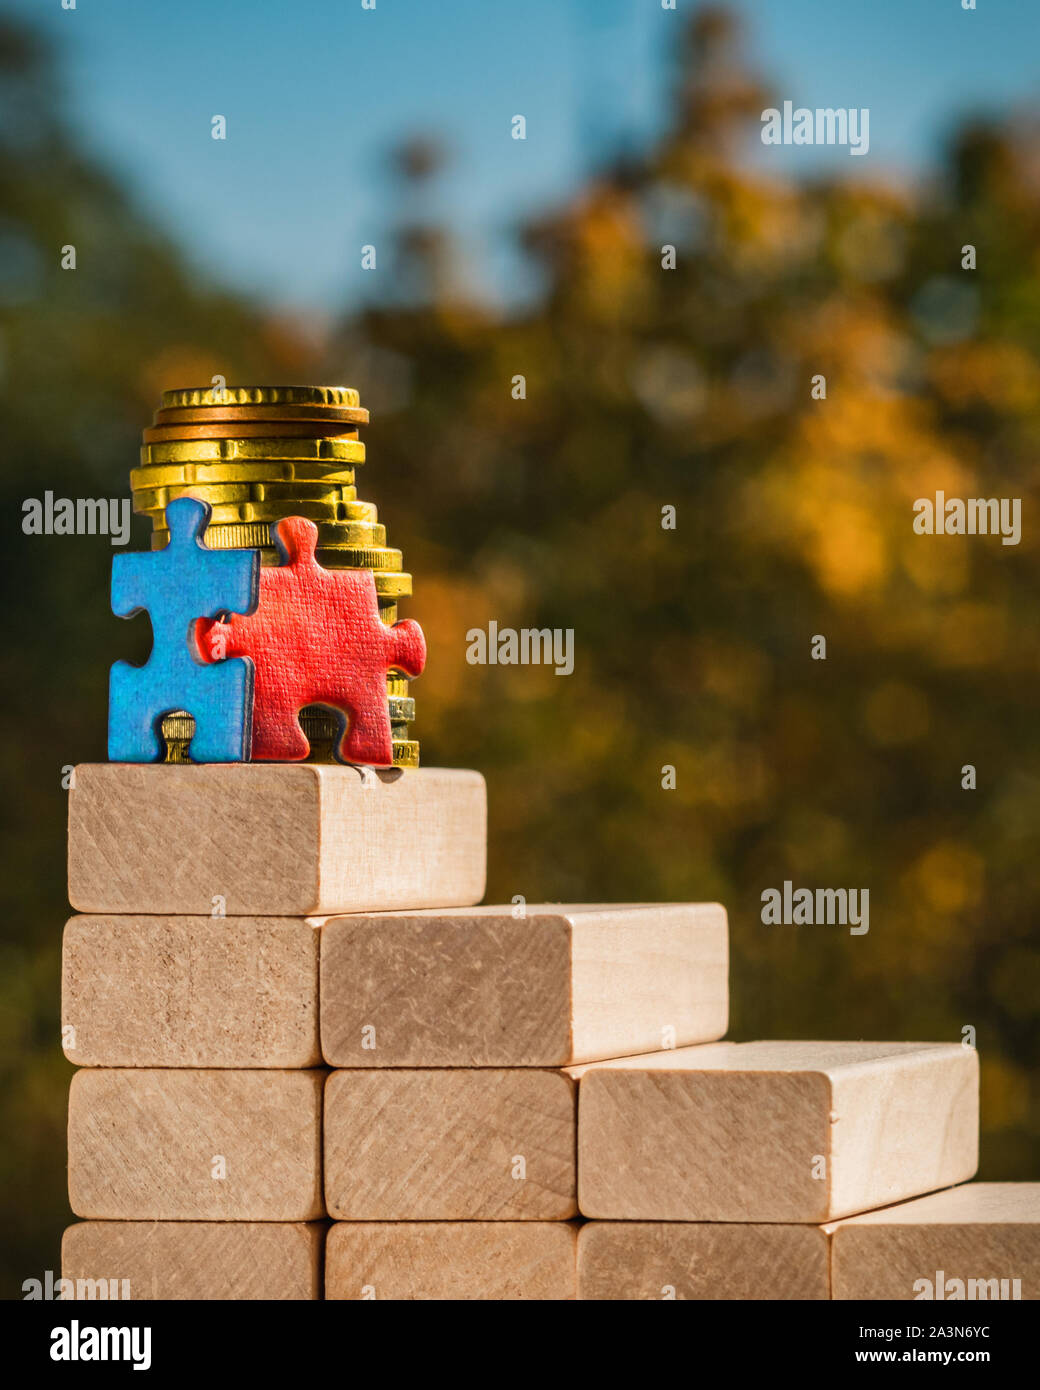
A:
{"points": [[257, 454]]}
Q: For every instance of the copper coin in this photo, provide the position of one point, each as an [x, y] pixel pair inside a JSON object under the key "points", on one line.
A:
{"points": [[234, 429], [220, 414]]}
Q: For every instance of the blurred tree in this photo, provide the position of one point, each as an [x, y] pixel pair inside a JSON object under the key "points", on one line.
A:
{"points": [[692, 387]]}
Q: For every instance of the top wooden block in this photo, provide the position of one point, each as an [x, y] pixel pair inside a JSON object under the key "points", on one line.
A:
{"points": [[484, 988], [774, 1131], [274, 839], [979, 1241]]}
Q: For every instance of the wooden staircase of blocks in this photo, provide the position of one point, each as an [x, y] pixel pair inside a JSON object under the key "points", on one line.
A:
{"points": [[311, 1067]]}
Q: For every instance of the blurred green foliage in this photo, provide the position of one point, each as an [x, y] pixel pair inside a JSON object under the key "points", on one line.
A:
{"points": [[644, 388]]}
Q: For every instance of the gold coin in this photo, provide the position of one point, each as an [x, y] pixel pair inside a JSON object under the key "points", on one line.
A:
{"points": [[388, 585], [193, 396], [349, 512], [396, 686], [367, 536], [315, 721], [259, 471], [360, 511], [242, 429], [232, 513], [343, 497], [247, 536], [178, 725], [262, 450], [318, 722], [290, 492], [176, 751], [352, 537], [155, 499], [256, 536], [406, 753], [258, 414], [363, 558]]}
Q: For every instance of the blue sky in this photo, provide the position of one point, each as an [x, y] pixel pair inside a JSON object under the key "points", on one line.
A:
{"points": [[315, 92]]}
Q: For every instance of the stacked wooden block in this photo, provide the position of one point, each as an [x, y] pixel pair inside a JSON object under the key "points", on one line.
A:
{"points": [[355, 1084], [471, 1138], [191, 1001]]}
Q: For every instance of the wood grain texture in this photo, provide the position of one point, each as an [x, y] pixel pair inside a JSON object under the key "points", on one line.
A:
{"points": [[190, 992], [979, 1232], [451, 1260], [145, 1145], [774, 1131], [702, 1260], [210, 1260], [444, 1145], [482, 988], [274, 839]]}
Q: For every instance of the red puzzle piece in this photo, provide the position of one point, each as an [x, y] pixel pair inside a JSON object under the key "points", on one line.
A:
{"points": [[316, 638]]}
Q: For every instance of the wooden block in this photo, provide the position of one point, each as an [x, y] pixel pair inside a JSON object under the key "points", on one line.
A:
{"points": [[208, 1260], [272, 840], [451, 1260], [152, 1145], [979, 1241], [482, 988], [190, 992], [455, 1145], [774, 1131], [702, 1260]]}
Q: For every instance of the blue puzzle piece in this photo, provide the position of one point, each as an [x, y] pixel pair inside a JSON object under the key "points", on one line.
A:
{"points": [[177, 586]]}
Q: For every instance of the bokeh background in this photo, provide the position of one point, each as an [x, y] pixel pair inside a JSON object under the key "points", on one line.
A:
{"points": [[645, 388]]}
